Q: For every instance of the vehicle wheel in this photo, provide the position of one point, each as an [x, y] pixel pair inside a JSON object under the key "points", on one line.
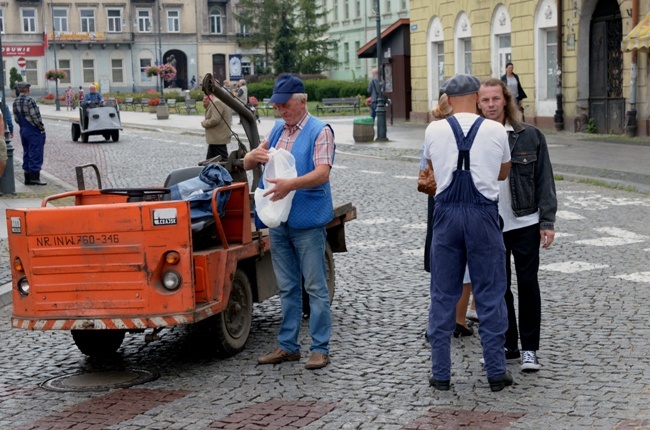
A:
{"points": [[97, 343], [106, 136], [76, 132], [84, 137], [331, 281], [115, 135], [233, 325]]}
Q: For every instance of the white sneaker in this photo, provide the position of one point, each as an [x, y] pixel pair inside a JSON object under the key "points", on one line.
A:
{"points": [[529, 361]]}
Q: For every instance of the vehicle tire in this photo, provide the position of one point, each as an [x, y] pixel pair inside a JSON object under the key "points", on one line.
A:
{"points": [[76, 132], [115, 135], [97, 343], [84, 137], [331, 281], [233, 325], [106, 136]]}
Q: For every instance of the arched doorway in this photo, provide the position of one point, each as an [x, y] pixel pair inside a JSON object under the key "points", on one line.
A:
{"points": [[181, 80], [219, 67], [606, 101]]}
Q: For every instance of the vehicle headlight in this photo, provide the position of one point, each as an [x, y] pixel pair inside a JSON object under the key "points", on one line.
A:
{"points": [[23, 286], [18, 265], [171, 280]]}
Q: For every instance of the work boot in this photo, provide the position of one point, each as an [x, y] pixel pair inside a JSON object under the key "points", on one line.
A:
{"points": [[36, 179], [28, 178]]}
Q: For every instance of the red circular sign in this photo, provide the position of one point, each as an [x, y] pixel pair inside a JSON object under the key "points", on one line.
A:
{"points": [[22, 62]]}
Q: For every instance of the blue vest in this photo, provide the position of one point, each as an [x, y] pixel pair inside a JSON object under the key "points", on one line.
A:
{"points": [[311, 207]]}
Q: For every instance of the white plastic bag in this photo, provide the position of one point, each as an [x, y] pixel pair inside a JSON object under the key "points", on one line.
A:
{"points": [[281, 164]]}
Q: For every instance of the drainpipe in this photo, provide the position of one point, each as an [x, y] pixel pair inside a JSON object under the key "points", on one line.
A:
{"points": [[559, 113], [631, 126]]}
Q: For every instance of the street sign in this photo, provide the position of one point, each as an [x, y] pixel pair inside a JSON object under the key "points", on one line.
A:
{"points": [[22, 62]]}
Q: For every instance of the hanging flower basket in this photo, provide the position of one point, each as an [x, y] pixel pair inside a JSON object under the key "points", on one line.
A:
{"points": [[167, 72], [151, 71], [54, 74]]}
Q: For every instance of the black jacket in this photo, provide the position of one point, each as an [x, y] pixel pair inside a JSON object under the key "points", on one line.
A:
{"points": [[531, 175], [520, 90]]}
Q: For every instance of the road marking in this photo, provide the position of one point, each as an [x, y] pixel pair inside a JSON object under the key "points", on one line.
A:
{"points": [[591, 202], [339, 167], [572, 267], [570, 216], [636, 277], [615, 237], [561, 234], [419, 226], [371, 172], [406, 177], [374, 221]]}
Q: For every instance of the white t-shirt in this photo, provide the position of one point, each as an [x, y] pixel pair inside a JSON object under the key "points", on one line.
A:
{"points": [[489, 151], [510, 221]]}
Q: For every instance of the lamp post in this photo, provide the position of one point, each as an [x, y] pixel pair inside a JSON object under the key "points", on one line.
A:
{"points": [[57, 102], [7, 182], [160, 58], [380, 112]]}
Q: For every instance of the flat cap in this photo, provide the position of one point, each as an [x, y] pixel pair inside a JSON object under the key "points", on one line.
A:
{"points": [[285, 87], [460, 85], [21, 85]]}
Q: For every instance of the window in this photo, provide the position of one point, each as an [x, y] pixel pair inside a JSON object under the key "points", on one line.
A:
{"points": [[505, 52], [87, 21], [60, 19], [2, 21], [440, 61], [88, 67], [173, 21], [335, 9], [243, 29], [346, 54], [346, 9], [65, 66], [114, 20], [145, 63], [467, 56], [357, 60], [31, 72], [144, 20], [387, 9], [357, 8], [28, 17], [403, 6], [551, 64], [117, 71], [215, 22], [246, 66]]}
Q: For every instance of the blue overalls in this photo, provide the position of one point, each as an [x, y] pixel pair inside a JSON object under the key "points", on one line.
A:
{"points": [[33, 141], [466, 230]]}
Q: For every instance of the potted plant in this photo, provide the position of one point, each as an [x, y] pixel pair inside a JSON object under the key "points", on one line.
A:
{"points": [[48, 99], [153, 103], [54, 74]]}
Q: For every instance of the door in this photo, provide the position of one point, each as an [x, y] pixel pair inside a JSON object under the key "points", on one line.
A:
{"points": [[219, 67]]}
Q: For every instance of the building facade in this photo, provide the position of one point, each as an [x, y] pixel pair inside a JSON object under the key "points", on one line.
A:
{"points": [[114, 42], [568, 55], [353, 23]]}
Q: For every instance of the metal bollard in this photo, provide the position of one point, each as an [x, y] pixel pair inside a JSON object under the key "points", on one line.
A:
{"points": [[7, 181]]}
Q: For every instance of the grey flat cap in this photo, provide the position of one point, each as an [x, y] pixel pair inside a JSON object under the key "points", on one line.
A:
{"points": [[460, 85], [21, 85]]}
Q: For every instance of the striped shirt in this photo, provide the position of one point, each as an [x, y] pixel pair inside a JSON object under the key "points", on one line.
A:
{"points": [[27, 107], [323, 147]]}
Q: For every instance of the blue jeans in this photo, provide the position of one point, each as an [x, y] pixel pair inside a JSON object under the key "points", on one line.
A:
{"points": [[298, 254]]}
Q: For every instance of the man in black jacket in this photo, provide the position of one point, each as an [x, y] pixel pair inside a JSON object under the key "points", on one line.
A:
{"points": [[527, 204]]}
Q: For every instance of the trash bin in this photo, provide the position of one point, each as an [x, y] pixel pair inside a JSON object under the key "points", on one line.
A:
{"points": [[363, 129]]}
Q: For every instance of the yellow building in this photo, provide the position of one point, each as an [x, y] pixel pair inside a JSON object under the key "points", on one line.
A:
{"points": [[574, 73]]}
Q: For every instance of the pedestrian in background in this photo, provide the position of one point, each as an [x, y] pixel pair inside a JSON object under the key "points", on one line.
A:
{"points": [[374, 87], [3, 144], [32, 134], [69, 98], [511, 79], [527, 204], [80, 95], [468, 155], [217, 122], [242, 92], [298, 245], [10, 123]]}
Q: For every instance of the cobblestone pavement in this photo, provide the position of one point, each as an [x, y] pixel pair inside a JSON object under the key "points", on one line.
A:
{"points": [[595, 374]]}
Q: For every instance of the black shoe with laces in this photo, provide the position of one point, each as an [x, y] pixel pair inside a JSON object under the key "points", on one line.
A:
{"points": [[498, 383], [438, 384]]}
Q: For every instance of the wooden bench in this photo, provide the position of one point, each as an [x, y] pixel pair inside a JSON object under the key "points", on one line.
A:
{"points": [[190, 106], [171, 104], [337, 104], [266, 106], [144, 103], [127, 103]]}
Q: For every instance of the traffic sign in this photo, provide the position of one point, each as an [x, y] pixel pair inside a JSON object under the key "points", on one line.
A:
{"points": [[22, 62]]}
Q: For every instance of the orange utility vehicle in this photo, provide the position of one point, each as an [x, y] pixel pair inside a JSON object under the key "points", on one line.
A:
{"points": [[130, 260]]}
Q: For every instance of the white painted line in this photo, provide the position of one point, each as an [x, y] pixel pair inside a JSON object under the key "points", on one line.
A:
{"points": [[374, 221], [636, 277], [414, 252], [410, 178], [339, 167], [371, 172], [608, 241], [572, 267], [618, 232], [569, 216], [562, 234], [647, 249]]}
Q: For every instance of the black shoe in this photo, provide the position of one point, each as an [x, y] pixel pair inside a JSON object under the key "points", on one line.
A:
{"points": [[439, 385], [35, 179], [500, 382], [462, 331]]}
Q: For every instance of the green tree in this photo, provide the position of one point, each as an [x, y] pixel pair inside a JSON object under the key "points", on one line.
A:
{"points": [[314, 44], [14, 76], [286, 42], [259, 21]]}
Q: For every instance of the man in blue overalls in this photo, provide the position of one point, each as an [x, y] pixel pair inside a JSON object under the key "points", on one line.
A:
{"points": [[468, 155], [32, 134]]}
